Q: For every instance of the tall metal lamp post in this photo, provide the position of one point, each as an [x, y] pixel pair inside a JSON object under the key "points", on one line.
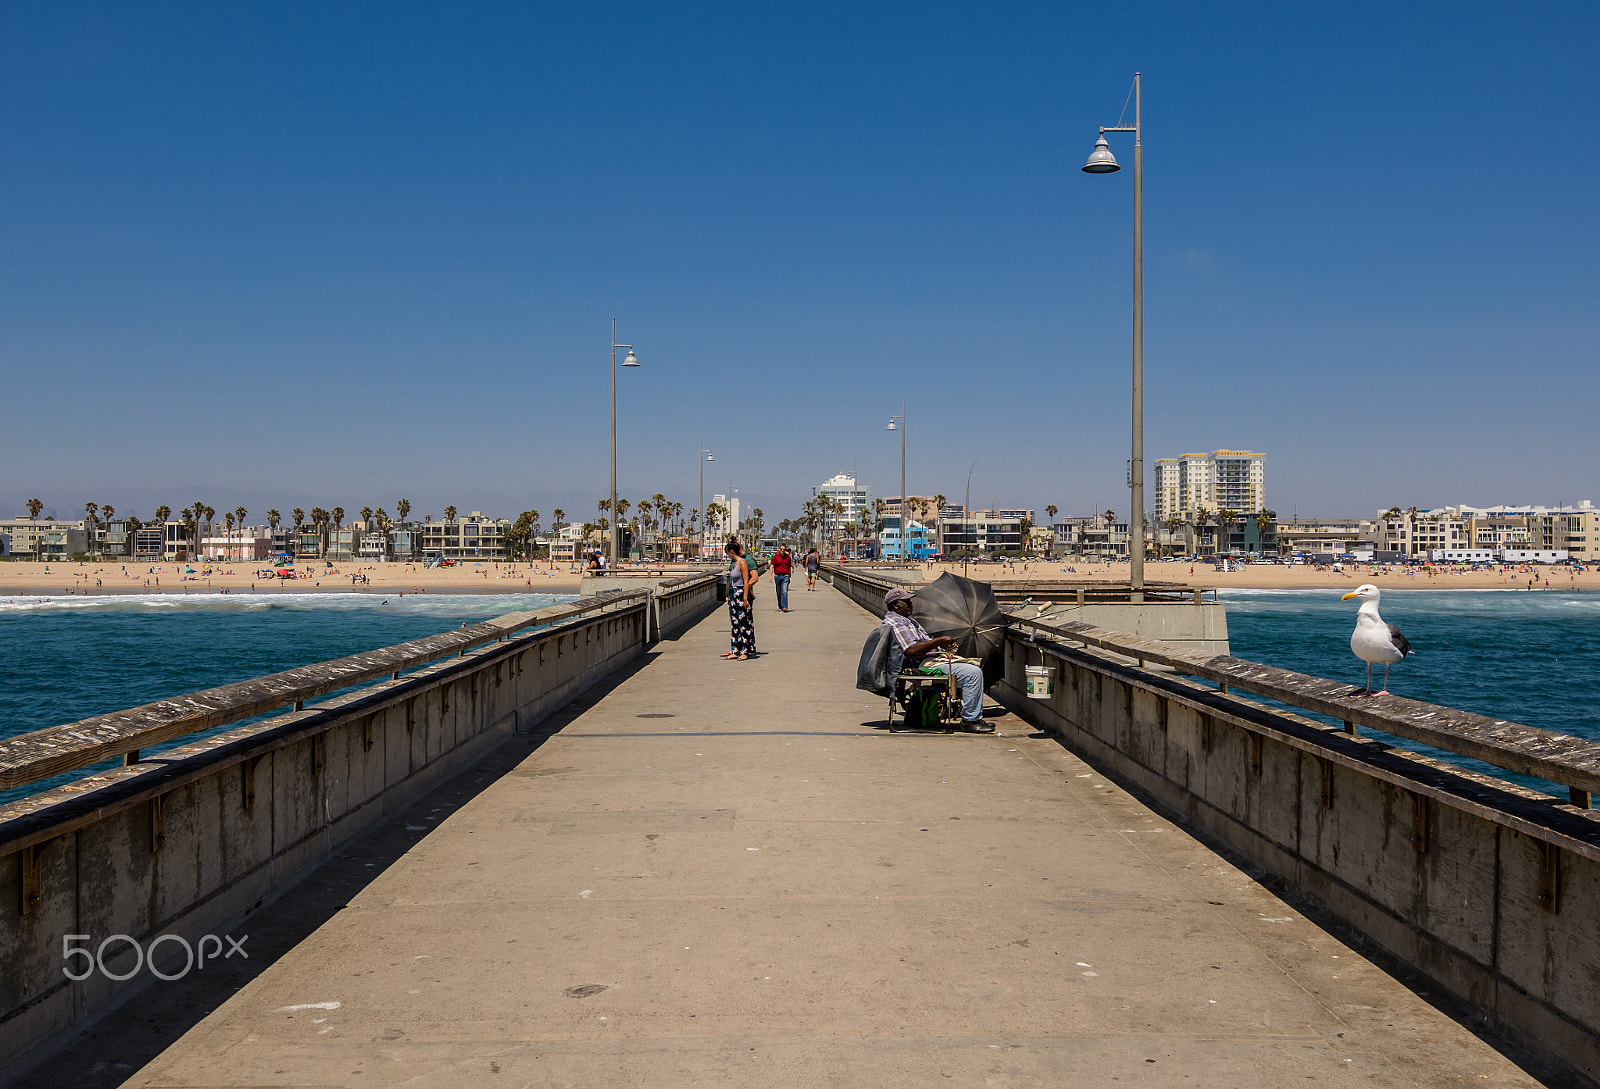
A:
{"points": [[705, 456], [1101, 161], [630, 361], [905, 500]]}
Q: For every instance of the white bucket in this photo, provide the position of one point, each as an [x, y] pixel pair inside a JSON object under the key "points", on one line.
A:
{"points": [[1041, 682]]}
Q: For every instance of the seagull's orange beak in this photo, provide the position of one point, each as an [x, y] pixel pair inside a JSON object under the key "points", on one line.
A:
{"points": [[1350, 595]]}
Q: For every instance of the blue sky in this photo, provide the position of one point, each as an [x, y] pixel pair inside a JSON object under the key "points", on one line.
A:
{"points": [[296, 254]]}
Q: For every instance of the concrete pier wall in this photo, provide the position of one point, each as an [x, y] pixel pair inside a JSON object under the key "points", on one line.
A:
{"points": [[193, 841], [1484, 888], [1199, 627]]}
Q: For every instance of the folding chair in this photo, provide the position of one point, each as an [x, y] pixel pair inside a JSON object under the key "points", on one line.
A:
{"points": [[908, 690]]}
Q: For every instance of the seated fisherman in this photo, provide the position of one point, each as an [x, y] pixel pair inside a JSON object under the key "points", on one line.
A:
{"points": [[912, 641]]}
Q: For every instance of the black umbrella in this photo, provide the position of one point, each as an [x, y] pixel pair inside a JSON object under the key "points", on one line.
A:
{"points": [[967, 610]]}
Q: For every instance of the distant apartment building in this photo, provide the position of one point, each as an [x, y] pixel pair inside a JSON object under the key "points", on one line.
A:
{"points": [[112, 538], [344, 542], [405, 540], [922, 508], [855, 502], [723, 527], [308, 541], [374, 546], [1090, 535], [251, 543], [1221, 480], [983, 531], [149, 543], [1503, 530], [1325, 536], [45, 538], [919, 544], [473, 537]]}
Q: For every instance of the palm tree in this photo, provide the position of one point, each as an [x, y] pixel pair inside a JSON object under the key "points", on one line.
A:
{"points": [[1225, 520], [1051, 511], [402, 507], [299, 516], [319, 520], [163, 513], [107, 512], [273, 518], [450, 513], [34, 507], [366, 514], [1173, 525], [1264, 518]]}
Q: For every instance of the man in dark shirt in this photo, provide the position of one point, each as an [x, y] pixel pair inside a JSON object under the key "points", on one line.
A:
{"points": [[813, 561], [782, 568]]}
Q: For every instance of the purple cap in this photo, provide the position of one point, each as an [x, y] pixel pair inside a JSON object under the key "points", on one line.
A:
{"points": [[897, 594]]}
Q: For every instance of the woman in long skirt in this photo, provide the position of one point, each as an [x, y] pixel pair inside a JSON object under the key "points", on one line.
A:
{"points": [[739, 614]]}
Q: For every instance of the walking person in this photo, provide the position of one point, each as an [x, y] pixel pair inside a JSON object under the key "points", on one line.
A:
{"points": [[782, 568], [813, 561], [742, 622]]}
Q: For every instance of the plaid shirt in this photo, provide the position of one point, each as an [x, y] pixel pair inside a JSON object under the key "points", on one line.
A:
{"points": [[906, 632]]}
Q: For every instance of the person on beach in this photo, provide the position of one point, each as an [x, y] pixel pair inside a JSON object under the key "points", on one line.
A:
{"points": [[813, 561], [741, 584], [782, 568]]}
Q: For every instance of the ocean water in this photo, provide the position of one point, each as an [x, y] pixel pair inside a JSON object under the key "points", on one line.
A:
{"points": [[1528, 656], [68, 658]]}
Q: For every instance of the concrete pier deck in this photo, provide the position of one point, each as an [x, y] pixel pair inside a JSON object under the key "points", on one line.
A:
{"points": [[730, 874]]}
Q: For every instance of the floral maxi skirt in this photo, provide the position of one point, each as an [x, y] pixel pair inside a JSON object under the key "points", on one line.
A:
{"points": [[744, 626]]}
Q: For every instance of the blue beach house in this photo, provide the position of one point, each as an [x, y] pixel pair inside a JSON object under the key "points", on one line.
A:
{"points": [[920, 545]]}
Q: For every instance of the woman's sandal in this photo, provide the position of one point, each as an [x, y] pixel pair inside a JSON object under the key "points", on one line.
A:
{"points": [[741, 657], [729, 655]]}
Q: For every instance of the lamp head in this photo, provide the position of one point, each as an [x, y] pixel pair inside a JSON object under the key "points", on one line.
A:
{"points": [[710, 458], [1101, 161], [891, 426], [633, 360]]}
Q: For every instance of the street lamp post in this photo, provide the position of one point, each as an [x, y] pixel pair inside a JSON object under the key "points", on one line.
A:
{"points": [[630, 360], [705, 456], [905, 500], [1101, 161]]}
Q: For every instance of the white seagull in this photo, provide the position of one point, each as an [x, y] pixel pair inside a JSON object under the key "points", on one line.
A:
{"points": [[1373, 640]]}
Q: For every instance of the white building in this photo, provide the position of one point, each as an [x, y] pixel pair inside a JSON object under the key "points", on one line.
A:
{"points": [[253, 543], [723, 528], [1233, 480], [855, 502]]}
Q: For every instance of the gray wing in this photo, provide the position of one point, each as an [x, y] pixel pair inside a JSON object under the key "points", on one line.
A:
{"points": [[1400, 641]]}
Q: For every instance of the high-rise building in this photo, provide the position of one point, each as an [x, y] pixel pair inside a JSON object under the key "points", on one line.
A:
{"points": [[855, 503], [1233, 480]]}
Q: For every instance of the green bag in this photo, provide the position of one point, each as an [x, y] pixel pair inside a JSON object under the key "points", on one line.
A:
{"points": [[922, 709]]}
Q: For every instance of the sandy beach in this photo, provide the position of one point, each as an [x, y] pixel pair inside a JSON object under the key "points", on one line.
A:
{"points": [[30, 579]]}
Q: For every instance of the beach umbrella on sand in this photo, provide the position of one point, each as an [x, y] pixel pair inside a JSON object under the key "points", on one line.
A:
{"points": [[967, 610]]}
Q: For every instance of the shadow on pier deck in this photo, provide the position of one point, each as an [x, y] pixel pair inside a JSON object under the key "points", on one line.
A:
{"points": [[713, 873]]}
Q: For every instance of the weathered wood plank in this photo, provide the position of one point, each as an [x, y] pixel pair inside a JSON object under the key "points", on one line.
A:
{"points": [[1558, 758], [43, 753]]}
